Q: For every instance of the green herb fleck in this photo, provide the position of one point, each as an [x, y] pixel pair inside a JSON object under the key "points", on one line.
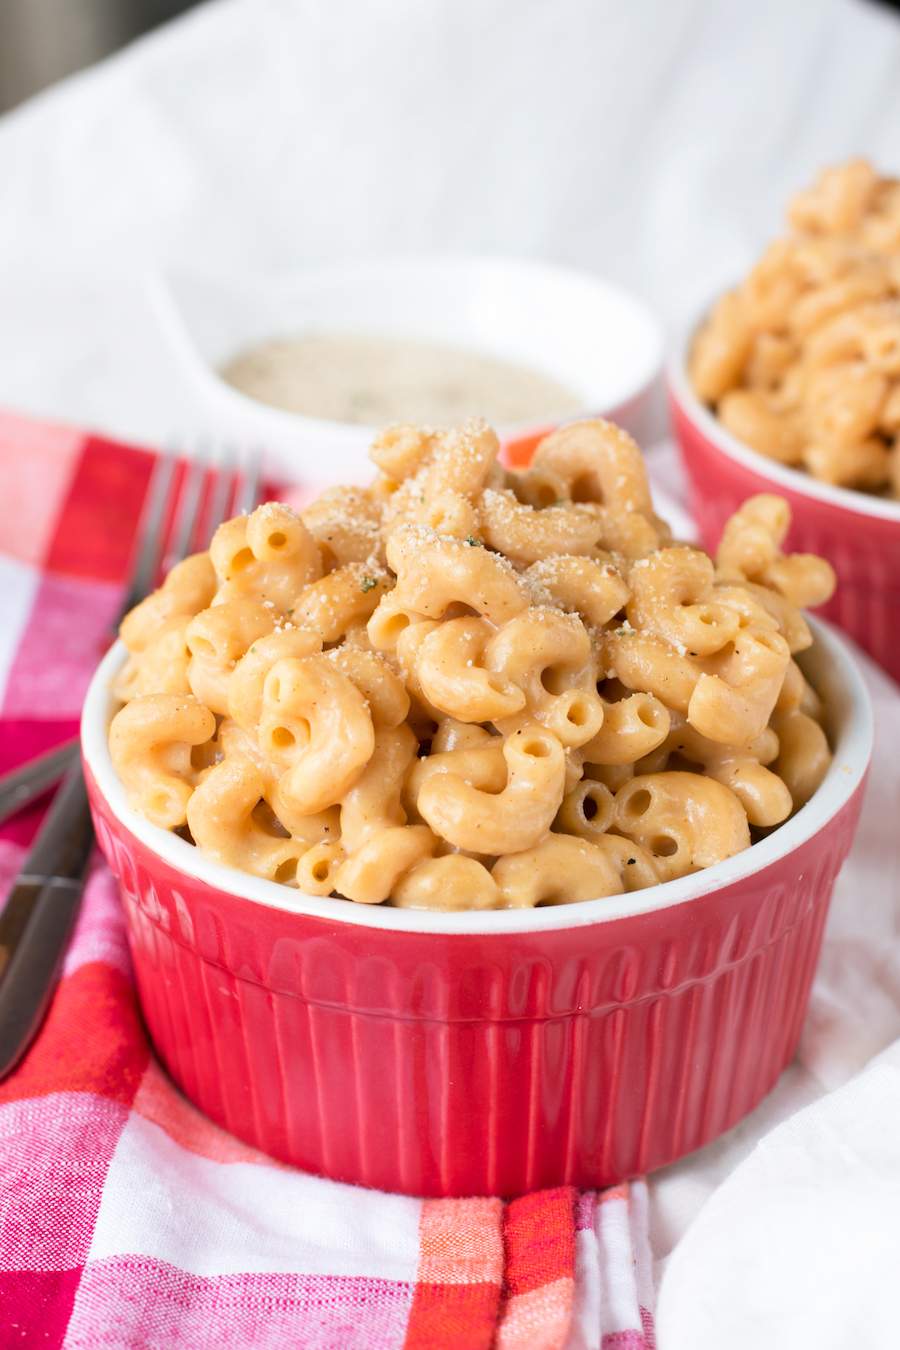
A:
{"points": [[368, 584], [473, 542]]}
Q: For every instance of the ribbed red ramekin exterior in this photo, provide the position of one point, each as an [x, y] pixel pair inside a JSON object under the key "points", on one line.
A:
{"points": [[863, 549], [472, 1063]]}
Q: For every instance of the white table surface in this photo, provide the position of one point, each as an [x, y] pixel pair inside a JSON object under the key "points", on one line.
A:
{"points": [[652, 142]]}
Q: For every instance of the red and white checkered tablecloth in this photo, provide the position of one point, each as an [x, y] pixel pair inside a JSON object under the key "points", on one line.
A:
{"points": [[126, 1218]]}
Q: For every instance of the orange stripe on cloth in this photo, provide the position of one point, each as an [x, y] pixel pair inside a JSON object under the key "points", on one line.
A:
{"points": [[460, 1271], [539, 1283], [538, 1320]]}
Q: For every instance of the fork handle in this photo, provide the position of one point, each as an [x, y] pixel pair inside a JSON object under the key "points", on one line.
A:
{"points": [[28, 982], [22, 786]]}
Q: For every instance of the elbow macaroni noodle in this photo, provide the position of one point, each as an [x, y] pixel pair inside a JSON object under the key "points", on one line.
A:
{"points": [[802, 360], [467, 688]]}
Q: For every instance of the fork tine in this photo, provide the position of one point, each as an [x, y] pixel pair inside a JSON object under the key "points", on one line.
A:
{"points": [[150, 532], [224, 478], [187, 497], [252, 477], [188, 508]]}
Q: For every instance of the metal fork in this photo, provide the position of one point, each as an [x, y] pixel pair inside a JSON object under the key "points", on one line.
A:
{"points": [[24, 784], [43, 904]]}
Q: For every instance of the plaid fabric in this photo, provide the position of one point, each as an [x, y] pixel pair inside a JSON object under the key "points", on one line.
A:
{"points": [[126, 1218]]}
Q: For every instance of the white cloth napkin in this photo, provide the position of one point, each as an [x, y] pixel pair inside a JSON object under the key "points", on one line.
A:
{"points": [[800, 1245], [654, 142]]}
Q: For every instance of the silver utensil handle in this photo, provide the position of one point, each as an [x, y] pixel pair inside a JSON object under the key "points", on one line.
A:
{"points": [[23, 785], [38, 917]]}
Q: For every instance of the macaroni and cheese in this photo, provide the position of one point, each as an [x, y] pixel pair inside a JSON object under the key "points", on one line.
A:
{"points": [[465, 687], [802, 360]]}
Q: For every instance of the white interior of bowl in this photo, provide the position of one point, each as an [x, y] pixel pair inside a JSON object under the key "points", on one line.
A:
{"points": [[792, 480], [596, 339], [828, 664]]}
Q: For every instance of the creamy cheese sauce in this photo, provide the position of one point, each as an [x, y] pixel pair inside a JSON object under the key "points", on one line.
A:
{"points": [[373, 380]]}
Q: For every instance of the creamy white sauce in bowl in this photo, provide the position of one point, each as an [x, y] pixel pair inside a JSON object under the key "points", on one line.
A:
{"points": [[548, 323], [372, 379]]}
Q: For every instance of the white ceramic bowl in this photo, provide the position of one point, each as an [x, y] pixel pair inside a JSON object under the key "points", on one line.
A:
{"points": [[585, 332]]}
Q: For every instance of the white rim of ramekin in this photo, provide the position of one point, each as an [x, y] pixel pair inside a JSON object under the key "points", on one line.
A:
{"points": [[791, 480], [831, 665]]}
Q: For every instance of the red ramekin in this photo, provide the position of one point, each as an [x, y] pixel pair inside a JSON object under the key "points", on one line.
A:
{"points": [[483, 1053], [859, 534]]}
